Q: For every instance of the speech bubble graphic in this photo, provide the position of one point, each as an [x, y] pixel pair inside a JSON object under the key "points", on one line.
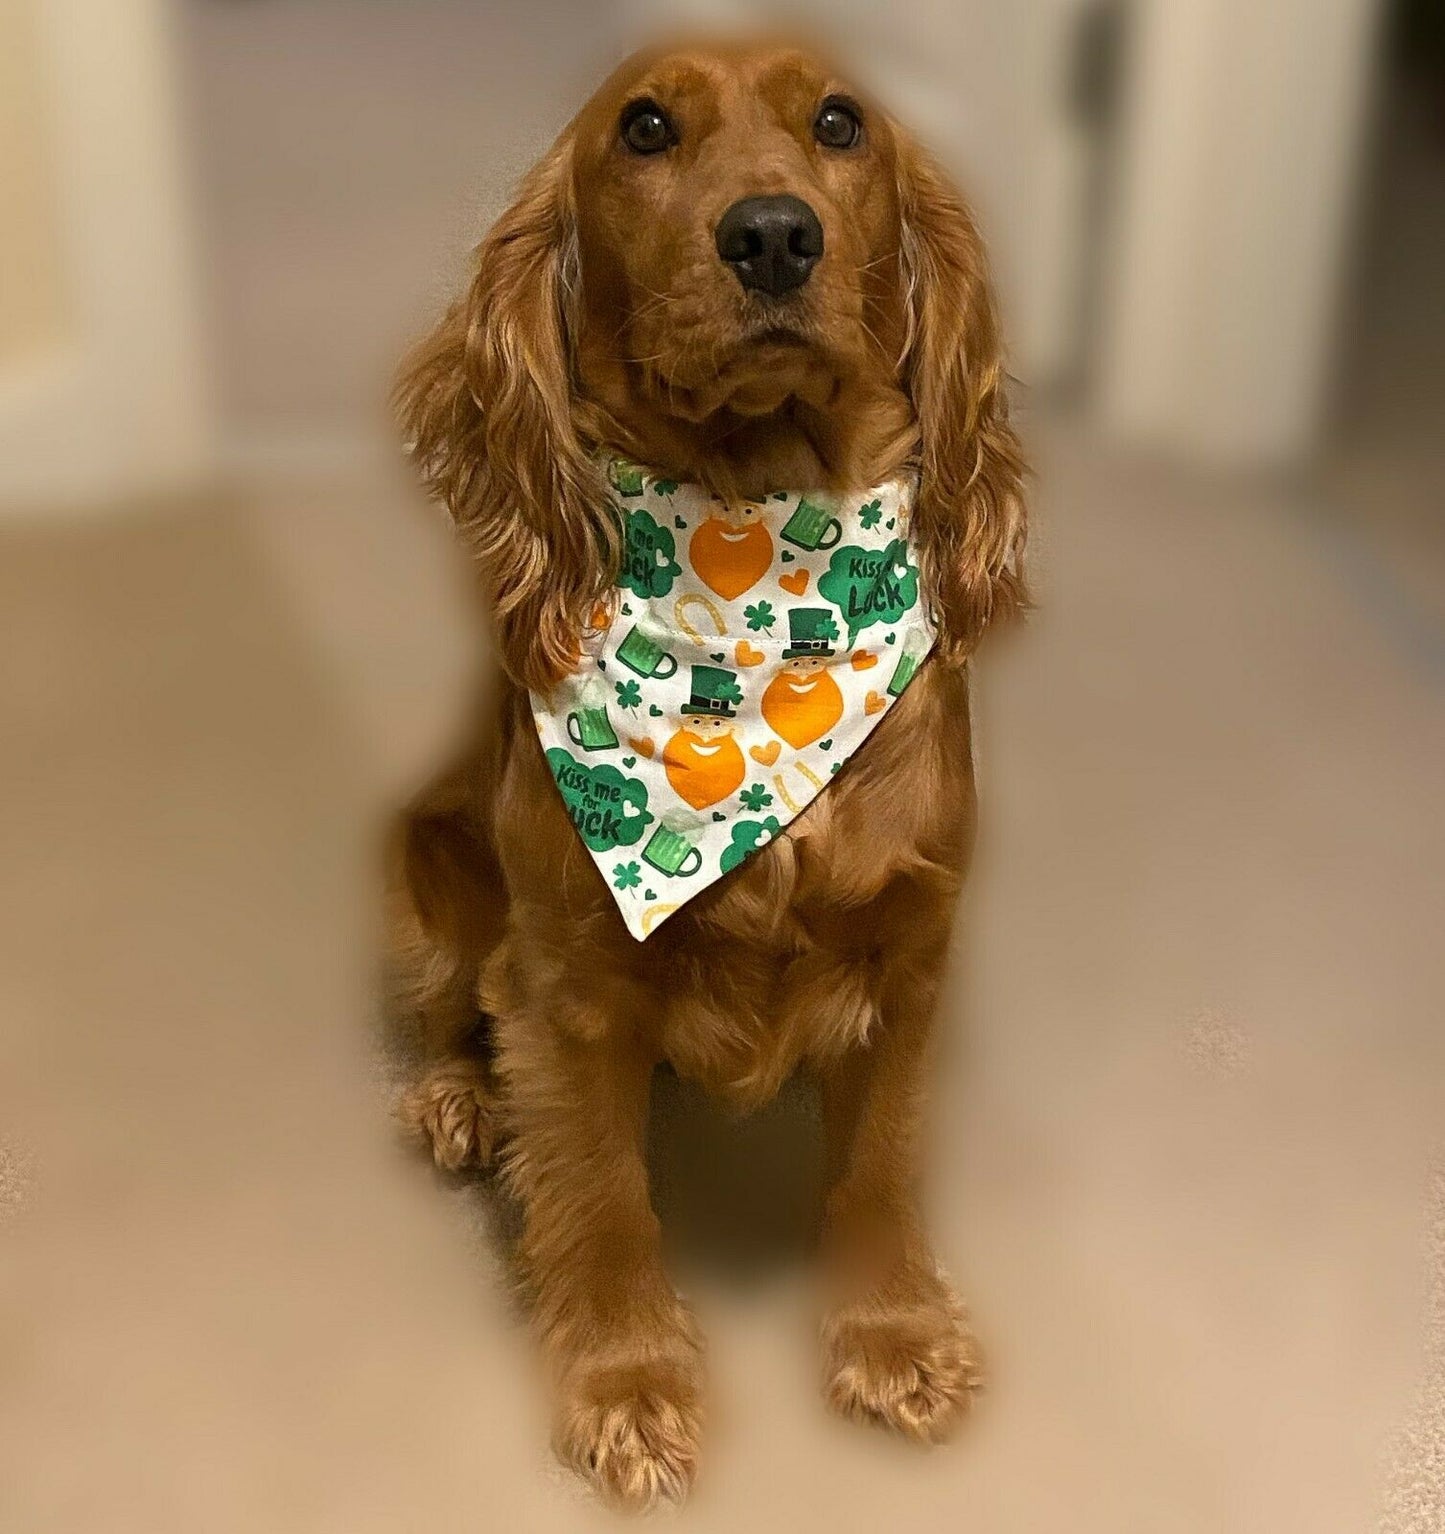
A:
{"points": [[608, 808], [649, 560], [870, 586]]}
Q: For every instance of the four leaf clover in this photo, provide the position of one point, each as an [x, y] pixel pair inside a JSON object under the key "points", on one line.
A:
{"points": [[629, 694], [760, 616], [627, 876], [869, 514]]}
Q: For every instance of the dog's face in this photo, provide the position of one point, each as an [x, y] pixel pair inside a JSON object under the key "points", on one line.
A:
{"points": [[735, 268], [738, 229]]}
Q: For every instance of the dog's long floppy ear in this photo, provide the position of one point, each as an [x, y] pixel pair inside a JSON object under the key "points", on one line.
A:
{"points": [[969, 525], [486, 402]]}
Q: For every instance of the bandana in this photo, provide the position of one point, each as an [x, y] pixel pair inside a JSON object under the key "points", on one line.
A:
{"points": [[745, 654]]}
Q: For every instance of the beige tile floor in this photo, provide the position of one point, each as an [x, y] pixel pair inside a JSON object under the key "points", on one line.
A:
{"points": [[1194, 1079]]}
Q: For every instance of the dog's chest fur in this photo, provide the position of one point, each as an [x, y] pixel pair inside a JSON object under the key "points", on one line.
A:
{"points": [[782, 962]]}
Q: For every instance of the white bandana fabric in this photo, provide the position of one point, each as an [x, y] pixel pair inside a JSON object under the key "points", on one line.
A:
{"points": [[747, 653]]}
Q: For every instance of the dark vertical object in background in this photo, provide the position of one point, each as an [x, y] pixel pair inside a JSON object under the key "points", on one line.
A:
{"points": [[1417, 49], [1098, 58]]}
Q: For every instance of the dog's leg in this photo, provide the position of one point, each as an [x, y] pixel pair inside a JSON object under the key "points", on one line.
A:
{"points": [[445, 917], [896, 1348], [625, 1351]]}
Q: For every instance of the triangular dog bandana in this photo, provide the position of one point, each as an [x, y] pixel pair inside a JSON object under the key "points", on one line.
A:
{"points": [[746, 654]]}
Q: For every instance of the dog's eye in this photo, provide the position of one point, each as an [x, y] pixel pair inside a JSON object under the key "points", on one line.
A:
{"points": [[837, 125], [645, 128]]}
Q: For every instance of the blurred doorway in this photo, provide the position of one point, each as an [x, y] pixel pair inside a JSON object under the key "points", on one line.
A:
{"points": [[1240, 132], [101, 386], [1391, 379], [1384, 454]]}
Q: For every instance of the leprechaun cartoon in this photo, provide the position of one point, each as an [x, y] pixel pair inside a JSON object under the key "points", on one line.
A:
{"points": [[732, 549], [803, 702], [704, 762]]}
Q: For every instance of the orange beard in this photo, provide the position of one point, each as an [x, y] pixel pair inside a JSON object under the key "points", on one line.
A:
{"points": [[801, 709], [730, 559], [700, 772]]}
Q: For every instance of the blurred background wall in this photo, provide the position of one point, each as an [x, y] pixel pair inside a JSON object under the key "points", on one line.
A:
{"points": [[103, 379], [31, 295], [228, 216]]}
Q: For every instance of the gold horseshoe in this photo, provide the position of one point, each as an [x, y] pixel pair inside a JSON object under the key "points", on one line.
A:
{"points": [[804, 771], [784, 795], [679, 609], [654, 914]]}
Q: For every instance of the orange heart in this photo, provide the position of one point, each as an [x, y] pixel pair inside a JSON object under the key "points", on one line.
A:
{"points": [[643, 747], [767, 754], [601, 617], [796, 582], [873, 702], [863, 659], [747, 656]]}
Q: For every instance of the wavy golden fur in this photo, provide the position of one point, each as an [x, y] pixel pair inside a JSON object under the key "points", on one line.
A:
{"points": [[543, 1019]]}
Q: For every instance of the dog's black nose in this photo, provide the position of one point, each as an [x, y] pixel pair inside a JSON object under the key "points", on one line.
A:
{"points": [[771, 243]]}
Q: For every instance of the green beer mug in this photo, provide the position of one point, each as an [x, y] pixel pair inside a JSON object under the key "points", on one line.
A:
{"points": [[641, 653], [915, 647], [812, 527], [627, 479], [670, 847], [588, 725]]}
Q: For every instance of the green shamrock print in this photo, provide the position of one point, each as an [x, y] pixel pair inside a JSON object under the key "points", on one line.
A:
{"points": [[629, 694], [748, 836], [755, 798], [725, 687], [649, 563], [627, 876], [666, 487], [760, 617], [868, 515]]}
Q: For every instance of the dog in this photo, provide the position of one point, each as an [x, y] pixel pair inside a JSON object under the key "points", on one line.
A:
{"points": [[736, 270]]}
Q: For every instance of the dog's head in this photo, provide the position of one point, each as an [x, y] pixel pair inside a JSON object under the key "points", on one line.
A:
{"points": [[734, 266], [737, 218]]}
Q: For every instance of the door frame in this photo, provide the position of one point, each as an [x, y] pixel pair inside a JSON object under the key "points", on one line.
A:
{"points": [[1242, 132], [116, 404]]}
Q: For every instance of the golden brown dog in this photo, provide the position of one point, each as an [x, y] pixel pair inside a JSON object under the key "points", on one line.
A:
{"points": [[844, 335]]}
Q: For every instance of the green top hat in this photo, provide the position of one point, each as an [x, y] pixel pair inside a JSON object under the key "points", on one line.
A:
{"points": [[810, 629], [715, 691]]}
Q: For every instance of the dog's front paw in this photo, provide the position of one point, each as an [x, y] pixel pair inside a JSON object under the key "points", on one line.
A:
{"points": [[452, 1109], [903, 1357], [633, 1429]]}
